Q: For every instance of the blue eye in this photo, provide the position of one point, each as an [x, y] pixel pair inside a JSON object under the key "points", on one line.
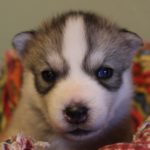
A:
{"points": [[104, 73], [48, 75]]}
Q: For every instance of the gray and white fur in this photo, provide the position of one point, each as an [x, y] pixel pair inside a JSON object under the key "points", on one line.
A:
{"points": [[63, 100]]}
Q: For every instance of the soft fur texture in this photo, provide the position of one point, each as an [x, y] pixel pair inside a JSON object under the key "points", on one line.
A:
{"points": [[75, 45]]}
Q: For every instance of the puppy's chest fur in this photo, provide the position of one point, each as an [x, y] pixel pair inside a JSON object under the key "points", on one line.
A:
{"points": [[77, 84]]}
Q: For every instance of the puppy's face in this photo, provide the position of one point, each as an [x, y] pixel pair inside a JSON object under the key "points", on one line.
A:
{"points": [[77, 73]]}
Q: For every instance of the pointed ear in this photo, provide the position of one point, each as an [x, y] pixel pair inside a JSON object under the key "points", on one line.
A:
{"points": [[21, 40], [133, 40]]}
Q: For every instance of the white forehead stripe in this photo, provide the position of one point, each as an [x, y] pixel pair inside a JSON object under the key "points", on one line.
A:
{"points": [[74, 42]]}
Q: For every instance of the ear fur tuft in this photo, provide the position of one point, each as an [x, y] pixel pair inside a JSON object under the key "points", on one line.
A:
{"points": [[134, 40]]}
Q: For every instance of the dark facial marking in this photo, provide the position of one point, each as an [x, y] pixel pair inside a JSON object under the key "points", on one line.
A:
{"points": [[112, 83], [44, 83], [104, 36]]}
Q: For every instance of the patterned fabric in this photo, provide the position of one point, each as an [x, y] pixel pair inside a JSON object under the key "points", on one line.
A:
{"points": [[141, 79], [21, 142], [141, 140], [10, 83]]}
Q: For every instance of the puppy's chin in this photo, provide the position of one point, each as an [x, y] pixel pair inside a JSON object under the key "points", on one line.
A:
{"points": [[80, 133]]}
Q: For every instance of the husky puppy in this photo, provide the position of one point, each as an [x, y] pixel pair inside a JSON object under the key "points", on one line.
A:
{"points": [[77, 85]]}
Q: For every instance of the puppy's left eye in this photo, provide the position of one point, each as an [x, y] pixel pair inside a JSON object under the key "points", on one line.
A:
{"points": [[48, 76], [104, 73]]}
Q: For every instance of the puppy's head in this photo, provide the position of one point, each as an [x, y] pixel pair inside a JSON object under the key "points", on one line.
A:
{"points": [[77, 72]]}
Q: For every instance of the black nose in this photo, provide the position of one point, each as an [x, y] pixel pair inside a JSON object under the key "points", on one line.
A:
{"points": [[76, 114]]}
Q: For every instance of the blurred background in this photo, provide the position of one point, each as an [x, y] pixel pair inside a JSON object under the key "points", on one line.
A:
{"points": [[19, 15]]}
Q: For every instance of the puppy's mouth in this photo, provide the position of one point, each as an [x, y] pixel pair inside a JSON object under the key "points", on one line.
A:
{"points": [[79, 132]]}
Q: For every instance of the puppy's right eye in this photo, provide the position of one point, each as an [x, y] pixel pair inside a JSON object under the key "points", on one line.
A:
{"points": [[48, 75]]}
